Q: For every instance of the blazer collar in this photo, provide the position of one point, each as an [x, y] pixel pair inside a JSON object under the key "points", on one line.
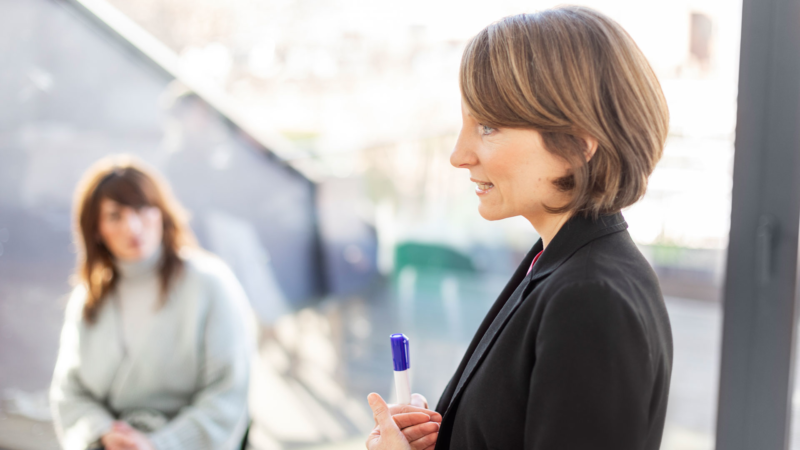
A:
{"points": [[574, 234]]}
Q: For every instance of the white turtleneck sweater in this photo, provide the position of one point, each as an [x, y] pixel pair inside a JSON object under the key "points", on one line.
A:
{"points": [[178, 370], [138, 293]]}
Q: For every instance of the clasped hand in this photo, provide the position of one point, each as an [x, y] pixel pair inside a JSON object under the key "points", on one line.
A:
{"points": [[403, 427], [124, 437]]}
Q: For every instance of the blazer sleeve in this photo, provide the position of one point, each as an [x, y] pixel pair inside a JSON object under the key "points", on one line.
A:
{"points": [[79, 418], [591, 382], [217, 417]]}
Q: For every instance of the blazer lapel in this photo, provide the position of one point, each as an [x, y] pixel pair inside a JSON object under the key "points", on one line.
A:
{"points": [[511, 287], [491, 334]]}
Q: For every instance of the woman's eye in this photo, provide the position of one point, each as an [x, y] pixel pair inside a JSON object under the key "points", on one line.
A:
{"points": [[486, 130]]}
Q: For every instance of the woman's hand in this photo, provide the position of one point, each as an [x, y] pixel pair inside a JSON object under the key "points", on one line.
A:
{"points": [[124, 437], [114, 440], [402, 427]]}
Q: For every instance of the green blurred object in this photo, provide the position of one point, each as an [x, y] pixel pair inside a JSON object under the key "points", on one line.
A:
{"points": [[431, 256]]}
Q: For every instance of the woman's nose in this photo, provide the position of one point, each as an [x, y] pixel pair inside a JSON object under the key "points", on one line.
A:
{"points": [[462, 155], [133, 222]]}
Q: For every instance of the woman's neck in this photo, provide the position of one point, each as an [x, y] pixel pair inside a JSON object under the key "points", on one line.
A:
{"points": [[137, 268], [547, 225]]}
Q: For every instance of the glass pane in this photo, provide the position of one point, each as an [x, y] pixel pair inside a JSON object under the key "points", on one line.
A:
{"points": [[74, 92], [362, 98]]}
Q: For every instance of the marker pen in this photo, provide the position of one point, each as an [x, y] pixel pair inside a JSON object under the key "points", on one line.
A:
{"points": [[402, 364]]}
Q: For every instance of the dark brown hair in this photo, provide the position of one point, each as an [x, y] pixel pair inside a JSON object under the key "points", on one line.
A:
{"points": [[571, 72], [128, 182]]}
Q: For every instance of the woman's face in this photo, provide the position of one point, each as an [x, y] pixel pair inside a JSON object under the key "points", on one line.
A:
{"points": [[130, 234], [512, 170]]}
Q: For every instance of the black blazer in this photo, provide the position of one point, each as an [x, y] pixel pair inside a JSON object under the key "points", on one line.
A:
{"points": [[577, 355]]}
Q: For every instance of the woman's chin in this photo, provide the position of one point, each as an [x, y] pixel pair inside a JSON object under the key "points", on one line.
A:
{"points": [[490, 213], [136, 254], [131, 257]]}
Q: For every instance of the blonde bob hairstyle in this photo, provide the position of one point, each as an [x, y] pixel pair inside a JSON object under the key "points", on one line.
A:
{"points": [[569, 73]]}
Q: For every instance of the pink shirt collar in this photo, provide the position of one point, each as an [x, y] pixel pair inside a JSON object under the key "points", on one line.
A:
{"points": [[535, 258]]}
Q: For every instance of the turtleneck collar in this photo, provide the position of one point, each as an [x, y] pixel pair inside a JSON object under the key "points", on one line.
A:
{"points": [[133, 269]]}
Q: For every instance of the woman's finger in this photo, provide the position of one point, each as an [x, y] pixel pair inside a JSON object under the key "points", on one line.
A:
{"points": [[419, 401], [417, 432], [399, 409], [425, 442], [115, 440], [405, 420]]}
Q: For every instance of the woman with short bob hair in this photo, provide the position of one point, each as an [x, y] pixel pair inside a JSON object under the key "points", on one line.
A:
{"points": [[157, 337], [563, 122]]}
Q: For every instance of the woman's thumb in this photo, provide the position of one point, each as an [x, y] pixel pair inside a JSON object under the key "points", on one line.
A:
{"points": [[381, 411]]}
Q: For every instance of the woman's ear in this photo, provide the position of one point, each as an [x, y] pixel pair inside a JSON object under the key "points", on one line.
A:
{"points": [[591, 147]]}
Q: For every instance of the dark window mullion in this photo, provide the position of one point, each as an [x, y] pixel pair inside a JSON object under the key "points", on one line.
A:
{"points": [[761, 277]]}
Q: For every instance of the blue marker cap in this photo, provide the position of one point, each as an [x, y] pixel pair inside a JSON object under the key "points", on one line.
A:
{"points": [[400, 352]]}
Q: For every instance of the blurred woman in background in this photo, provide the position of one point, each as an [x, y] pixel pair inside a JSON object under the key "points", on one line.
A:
{"points": [[155, 348]]}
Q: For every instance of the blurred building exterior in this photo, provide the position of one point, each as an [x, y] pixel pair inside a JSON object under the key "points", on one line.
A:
{"points": [[358, 84], [76, 87]]}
